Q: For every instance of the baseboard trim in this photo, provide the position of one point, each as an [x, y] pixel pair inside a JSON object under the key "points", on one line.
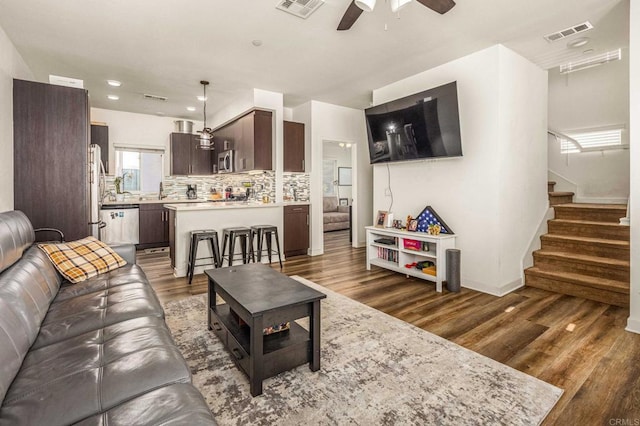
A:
{"points": [[494, 291], [633, 325]]}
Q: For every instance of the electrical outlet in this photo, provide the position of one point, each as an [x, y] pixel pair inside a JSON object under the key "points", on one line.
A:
{"points": [[387, 192]]}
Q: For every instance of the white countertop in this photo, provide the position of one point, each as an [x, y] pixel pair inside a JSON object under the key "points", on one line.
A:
{"points": [[227, 205], [131, 200]]}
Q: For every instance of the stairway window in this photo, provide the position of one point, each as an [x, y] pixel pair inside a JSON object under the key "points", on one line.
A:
{"points": [[593, 140]]}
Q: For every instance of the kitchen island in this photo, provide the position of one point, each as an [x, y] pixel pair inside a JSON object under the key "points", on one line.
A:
{"points": [[184, 218]]}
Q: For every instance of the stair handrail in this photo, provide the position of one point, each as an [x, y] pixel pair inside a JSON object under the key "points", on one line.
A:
{"points": [[558, 135]]}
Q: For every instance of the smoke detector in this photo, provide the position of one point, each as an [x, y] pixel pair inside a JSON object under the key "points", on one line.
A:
{"points": [[567, 32], [300, 8]]}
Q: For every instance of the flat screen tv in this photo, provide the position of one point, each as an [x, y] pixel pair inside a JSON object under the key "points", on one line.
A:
{"points": [[423, 125]]}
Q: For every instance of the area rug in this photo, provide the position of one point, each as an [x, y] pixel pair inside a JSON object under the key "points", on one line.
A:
{"points": [[375, 370]]}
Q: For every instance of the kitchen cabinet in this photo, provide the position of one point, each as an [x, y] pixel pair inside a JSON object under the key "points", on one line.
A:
{"points": [[154, 226], [187, 158], [50, 160], [293, 147], [296, 230], [100, 137], [251, 138]]}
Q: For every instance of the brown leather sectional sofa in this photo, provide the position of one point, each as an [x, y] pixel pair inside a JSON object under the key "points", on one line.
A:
{"points": [[93, 353]]}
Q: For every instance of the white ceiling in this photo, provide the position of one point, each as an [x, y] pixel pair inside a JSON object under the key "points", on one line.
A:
{"points": [[166, 47]]}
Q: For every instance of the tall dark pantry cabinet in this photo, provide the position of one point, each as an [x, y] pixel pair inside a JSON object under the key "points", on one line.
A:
{"points": [[50, 156]]}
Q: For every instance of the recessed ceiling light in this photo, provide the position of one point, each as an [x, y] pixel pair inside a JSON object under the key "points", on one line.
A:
{"points": [[586, 52], [256, 43], [202, 98], [191, 109], [114, 83], [579, 42], [113, 97]]}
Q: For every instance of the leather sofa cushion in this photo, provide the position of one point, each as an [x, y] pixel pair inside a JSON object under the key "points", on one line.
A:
{"points": [[127, 274], [16, 235], [71, 317], [26, 290], [91, 373], [178, 404]]}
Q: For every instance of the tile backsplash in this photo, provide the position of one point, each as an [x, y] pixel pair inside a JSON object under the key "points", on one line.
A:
{"points": [[263, 183]]}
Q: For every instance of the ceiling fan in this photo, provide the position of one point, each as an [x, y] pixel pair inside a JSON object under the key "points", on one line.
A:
{"points": [[356, 8]]}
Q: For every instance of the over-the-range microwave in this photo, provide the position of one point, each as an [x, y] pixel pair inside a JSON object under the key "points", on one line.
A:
{"points": [[225, 161]]}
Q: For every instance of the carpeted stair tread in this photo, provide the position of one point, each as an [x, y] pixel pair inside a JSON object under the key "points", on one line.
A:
{"points": [[583, 258], [621, 207], [584, 280], [587, 240], [586, 222]]}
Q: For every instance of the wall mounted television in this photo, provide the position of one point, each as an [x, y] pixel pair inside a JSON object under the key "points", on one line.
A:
{"points": [[419, 126]]}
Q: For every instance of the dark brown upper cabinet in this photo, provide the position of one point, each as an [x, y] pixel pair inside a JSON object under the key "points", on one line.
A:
{"points": [[187, 158], [255, 147], [100, 137], [251, 139], [293, 147]]}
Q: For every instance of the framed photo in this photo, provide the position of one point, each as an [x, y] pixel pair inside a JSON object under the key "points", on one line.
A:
{"points": [[344, 201], [413, 225], [344, 176], [381, 218]]}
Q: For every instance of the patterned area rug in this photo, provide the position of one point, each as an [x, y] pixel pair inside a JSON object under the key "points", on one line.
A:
{"points": [[375, 369]]}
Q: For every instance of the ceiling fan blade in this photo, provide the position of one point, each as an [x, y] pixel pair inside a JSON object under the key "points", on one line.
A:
{"points": [[440, 6], [350, 16]]}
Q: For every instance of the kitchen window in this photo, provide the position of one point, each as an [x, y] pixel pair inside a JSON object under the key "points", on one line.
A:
{"points": [[141, 168]]}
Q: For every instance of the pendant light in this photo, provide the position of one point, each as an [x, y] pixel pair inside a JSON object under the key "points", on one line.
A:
{"points": [[206, 134]]}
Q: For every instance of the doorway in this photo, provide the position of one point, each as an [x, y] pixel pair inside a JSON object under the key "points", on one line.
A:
{"points": [[337, 193]]}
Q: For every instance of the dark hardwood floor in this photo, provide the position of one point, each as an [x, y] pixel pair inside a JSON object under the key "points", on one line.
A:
{"points": [[573, 343]]}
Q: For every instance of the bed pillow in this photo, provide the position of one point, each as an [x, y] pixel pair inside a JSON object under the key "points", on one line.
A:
{"points": [[82, 259]]}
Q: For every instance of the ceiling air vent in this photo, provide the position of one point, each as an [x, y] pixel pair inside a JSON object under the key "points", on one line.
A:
{"points": [[155, 97], [559, 35], [300, 8]]}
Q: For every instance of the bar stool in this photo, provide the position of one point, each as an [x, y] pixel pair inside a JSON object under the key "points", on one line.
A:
{"points": [[231, 234], [262, 231], [203, 235]]}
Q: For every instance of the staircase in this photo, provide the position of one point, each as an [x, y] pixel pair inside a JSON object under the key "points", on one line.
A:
{"points": [[585, 253]]}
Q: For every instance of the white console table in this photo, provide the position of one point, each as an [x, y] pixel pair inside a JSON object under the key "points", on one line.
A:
{"points": [[395, 256]]}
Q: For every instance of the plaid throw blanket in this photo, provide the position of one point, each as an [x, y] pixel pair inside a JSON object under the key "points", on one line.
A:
{"points": [[82, 259]]}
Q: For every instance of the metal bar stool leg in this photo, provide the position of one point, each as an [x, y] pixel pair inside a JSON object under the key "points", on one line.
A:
{"points": [[224, 247], [243, 246], [278, 246], [268, 235], [232, 247], [260, 237], [192, 257], [215, 251]]}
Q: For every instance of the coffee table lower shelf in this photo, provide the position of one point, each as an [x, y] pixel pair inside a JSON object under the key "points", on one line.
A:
{"points": [[282, 351]]}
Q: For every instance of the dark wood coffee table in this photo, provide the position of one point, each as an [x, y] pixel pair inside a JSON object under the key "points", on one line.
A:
{"points": [[262, 297]]}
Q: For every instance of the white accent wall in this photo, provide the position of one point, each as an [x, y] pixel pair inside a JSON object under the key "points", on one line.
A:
{"points": [[328, 122], [495, 195], [633, 324], [594, 97], [11, 66]]}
